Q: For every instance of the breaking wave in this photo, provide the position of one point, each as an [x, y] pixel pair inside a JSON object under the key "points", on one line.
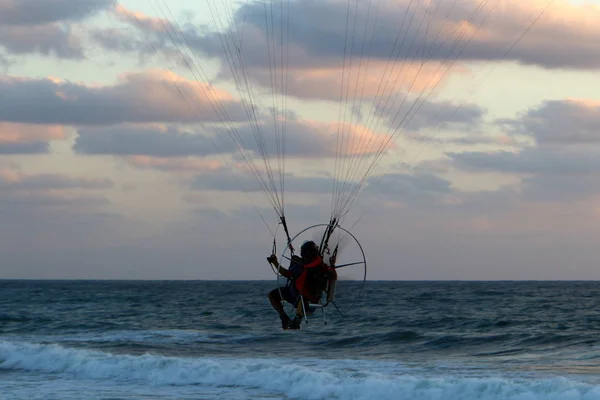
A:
{"points": [[296, 379]]}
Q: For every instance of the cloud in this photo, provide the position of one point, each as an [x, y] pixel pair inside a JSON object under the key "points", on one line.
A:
{"points": [[38, 206], [188, 164], [122, 40], [154, 36], [531, 160], [46, 27], [150, 96], [359, 83], [328, 37], [560, 188], [47, 39], [5, 63], [140, 20], [562, 165], [547, 174], [24, 133], [118, 40], [335, 44], [565, 37], [421, 114], [40, 201], [315, 139], [396, 188], [307, 75], [53, 211], [24, 148], [28, 139], [303, 139], [560, 122], [472, 139], [37, 12], [130, 140], [12, 179], [61, 220], [293, 184], [409, 185]]}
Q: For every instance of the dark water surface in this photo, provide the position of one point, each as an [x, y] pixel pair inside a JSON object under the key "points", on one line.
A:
{"points": [[219, 339]]}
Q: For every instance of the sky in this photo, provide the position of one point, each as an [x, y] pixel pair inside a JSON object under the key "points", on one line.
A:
{"points": [[152, 139]]}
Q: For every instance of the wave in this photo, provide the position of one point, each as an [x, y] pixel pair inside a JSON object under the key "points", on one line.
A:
{"points": [[295, 379]]}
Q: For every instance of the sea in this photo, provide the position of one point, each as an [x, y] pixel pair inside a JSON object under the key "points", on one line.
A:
{"points": [[222, 340]]}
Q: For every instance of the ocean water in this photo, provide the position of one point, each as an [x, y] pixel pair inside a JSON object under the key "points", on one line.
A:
{"points": [[209, 340]]}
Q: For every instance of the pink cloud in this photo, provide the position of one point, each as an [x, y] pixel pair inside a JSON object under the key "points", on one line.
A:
{"points": [[139, 97], [139, 19], [162, 88], [588, 104], [10, 175], [324, 82], [27, 133], [13, 178], [355, 139], [188, 164]]}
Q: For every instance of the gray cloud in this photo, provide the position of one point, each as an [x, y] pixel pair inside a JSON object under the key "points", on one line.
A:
{"points": [[425, 114], [310, 139], [565, 164], [151, 96], [45, 27], [546, 174], [57, 39], [132, 140], [421, 189], [53, 181], [39, 224], [49, 210], [39, 202], [322, 31], [319, 28], [531, 161], [119, 40], [431, 245], [486, 236], [6, 63], [560, 122], [217, 180], [147, 48], [318, 48], [303, 139], [415, 185], [473, 139], [37, 12], [37, 147], [560, 188]]}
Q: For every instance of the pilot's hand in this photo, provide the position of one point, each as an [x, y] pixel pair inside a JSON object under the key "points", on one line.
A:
{"points": [[332, 260], [272, 259]]}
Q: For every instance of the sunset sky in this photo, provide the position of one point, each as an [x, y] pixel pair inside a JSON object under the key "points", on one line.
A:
{"points": [[115, 165]]}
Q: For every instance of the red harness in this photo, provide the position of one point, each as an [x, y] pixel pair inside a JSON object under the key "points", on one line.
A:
{"points": [[317, 270]]}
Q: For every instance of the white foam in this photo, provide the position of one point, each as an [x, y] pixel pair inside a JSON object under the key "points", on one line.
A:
{"points": [[297, 379]]}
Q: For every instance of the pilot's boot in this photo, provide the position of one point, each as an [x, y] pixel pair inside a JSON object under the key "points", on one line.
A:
{"points": [[285, 321], [295, 324]]}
